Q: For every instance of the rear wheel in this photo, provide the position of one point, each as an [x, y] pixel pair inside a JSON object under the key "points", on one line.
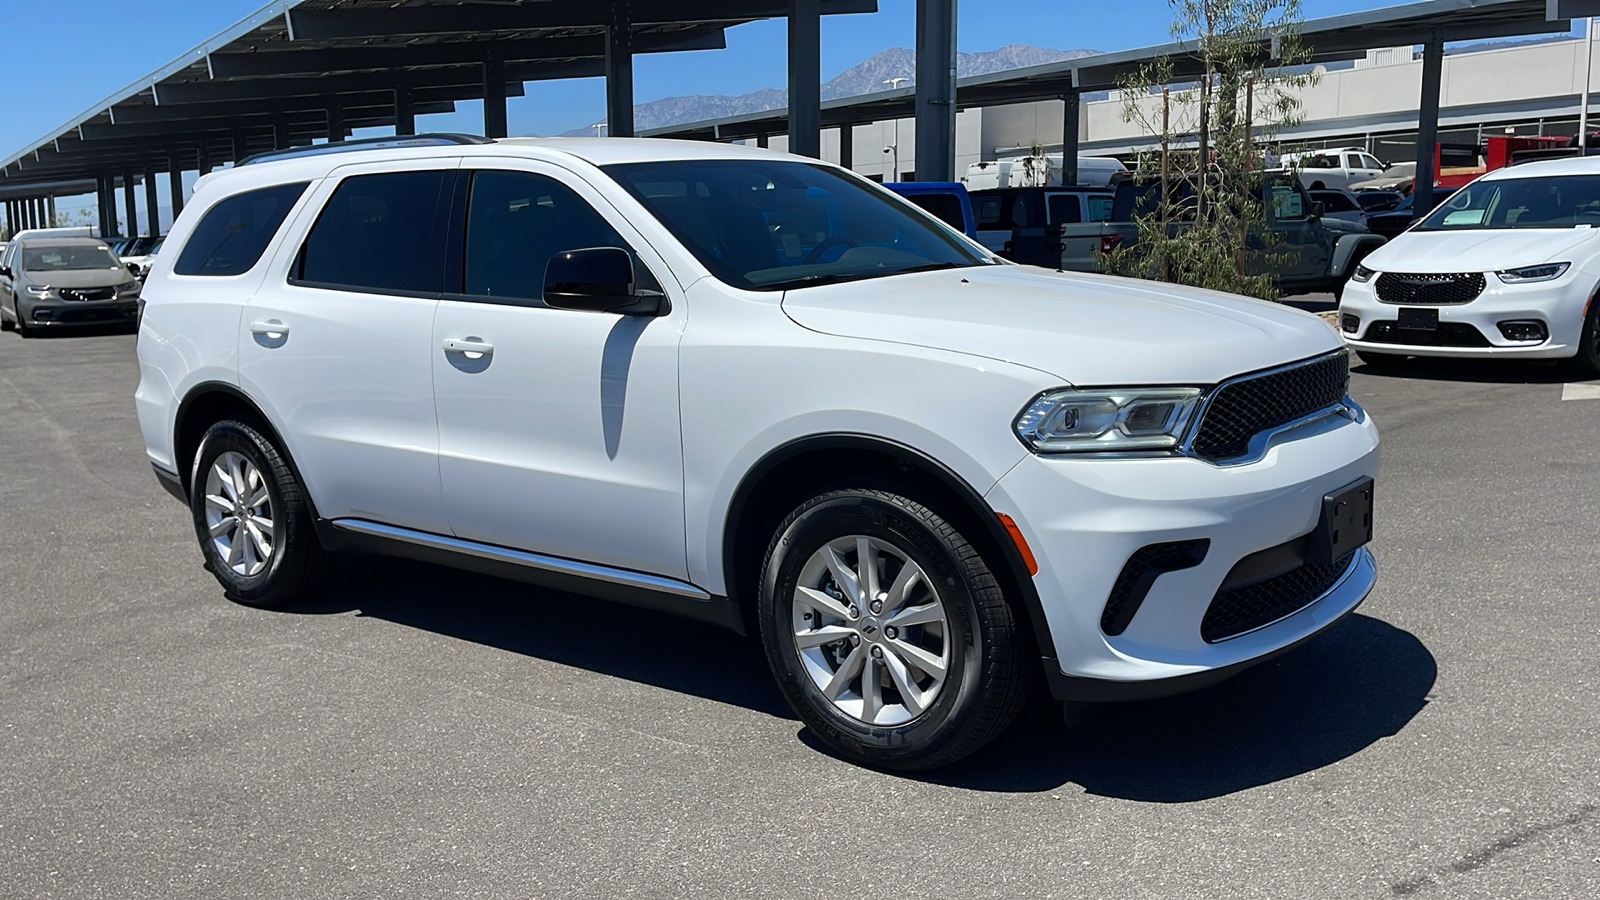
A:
{"points": [[888, 631], [1586, 364], [252, 518]]}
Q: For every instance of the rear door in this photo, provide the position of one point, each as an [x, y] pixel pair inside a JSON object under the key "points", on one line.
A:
{"points": [[337, 344], [1079, 241]]}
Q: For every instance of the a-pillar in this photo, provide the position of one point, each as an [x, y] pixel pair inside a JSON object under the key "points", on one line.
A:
{"points": [[847, 145], [335, 121], [805, 77], [150, 201], [1069, 135], [1428, 125], [936, 90], [405, 113], [619, 70], [494, 97], [129, 201]]}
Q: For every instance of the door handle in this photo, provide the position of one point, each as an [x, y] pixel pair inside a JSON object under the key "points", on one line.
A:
{"points": [[474, 348], [271, 328]]}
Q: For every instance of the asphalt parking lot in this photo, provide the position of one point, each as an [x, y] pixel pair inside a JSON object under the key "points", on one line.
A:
{"points": [[421, 732]]}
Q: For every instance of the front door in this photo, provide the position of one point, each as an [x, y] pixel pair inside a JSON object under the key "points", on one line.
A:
{"points": [[558, 430]]}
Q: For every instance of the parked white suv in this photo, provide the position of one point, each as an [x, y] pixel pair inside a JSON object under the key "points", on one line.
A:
{"points": [[760, 391], [1507, 267]]}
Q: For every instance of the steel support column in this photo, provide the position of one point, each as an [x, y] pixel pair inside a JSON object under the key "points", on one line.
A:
{"points": [[936, 90], [280, 134], [175, 183], [50, 209], [11, 221], [847, 145], [202, 160], [34, 219], [241, 146], [619, 70], [405, 114], [805, 78], [494, 98], [1428, 125], [151, 204], [131, 202], [101, 191], [1069, 137], [335, 120]]}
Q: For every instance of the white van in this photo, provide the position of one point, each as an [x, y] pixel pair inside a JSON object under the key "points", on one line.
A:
{"points": [[1042, 171]]}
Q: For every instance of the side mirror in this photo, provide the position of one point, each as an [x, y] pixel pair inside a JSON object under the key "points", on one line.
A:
{"points": [[1318, 209], [599, 279]]}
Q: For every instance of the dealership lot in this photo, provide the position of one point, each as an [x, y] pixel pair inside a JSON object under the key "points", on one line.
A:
{"points": [[447, 733]]}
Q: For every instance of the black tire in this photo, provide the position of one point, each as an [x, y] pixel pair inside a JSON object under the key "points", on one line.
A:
{"points": [[1382, 360], [297, 561], [23, 330], [1586, 364], [987, 680]]}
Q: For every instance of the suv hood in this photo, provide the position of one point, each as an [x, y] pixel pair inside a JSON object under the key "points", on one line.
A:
{"points": [[1082, 329], [1479, 251]]}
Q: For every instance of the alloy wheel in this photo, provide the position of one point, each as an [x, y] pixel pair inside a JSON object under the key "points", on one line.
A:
{"points": [[239, 514], [871, 630]]}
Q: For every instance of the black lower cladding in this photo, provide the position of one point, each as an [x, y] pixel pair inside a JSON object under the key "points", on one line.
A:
{"points": [[1139, 574], [1237, 610], [1448, 334]]}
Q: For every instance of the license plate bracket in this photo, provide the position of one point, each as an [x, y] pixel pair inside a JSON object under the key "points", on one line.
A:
{"points": [[1346, 523], [1412, 319]]}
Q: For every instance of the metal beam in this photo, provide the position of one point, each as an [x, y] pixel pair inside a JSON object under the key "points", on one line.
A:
{"points": [[350, 59], [619, 69], [1069, 138], [372, 21], [805, 78], [311, 103], [936, 90], [276, 88], [494, 98], [312, 120], [1427, 126]]}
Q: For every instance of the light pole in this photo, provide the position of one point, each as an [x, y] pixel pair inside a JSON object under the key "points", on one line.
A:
{"points": [[599, 129], [895, 147]]}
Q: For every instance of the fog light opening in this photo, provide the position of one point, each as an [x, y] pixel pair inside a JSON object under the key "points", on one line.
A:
{"points": [[1524, 330], [1350, 324]]}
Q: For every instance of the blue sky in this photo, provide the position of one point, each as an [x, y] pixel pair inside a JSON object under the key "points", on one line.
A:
{"points": [[62, 64]]}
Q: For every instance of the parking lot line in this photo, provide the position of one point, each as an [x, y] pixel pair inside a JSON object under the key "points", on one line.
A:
{"points": [[1581, 391]]}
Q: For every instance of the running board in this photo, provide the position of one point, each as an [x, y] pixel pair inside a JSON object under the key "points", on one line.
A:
{"points": [[621, 585]]}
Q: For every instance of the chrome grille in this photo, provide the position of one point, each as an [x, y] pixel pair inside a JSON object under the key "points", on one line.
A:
{"points": [[1240, 409], [1430, 290], [94, 293]]}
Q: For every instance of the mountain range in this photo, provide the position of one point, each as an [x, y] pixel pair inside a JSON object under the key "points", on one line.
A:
{"points": [[863, 78]]}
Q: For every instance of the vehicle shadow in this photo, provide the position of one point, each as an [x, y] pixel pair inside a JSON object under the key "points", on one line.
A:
{"points": [[1472, 371], [1360, 682], [626, 642], [56, 332]]}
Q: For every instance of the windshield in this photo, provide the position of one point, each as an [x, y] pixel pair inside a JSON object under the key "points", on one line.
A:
{"points": [[771, 225], [1561, 201], [56, 259]]}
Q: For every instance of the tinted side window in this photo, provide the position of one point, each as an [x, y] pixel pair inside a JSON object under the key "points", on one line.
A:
{"points": [[233, 234], [380, 232], [945, 207], [1100, 208], [1065, 209], [516, 221]]}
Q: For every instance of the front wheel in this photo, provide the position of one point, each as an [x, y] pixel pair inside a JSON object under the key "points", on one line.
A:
{"points": [[1586, 364], [888, 631], [252, 518]]}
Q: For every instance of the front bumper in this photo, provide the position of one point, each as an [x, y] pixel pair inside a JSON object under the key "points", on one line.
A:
{"points": [[1084, 518], [1560, 305], [48, 313]]}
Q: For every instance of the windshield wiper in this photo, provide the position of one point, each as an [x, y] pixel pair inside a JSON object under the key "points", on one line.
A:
{"points": [[840, 277]]}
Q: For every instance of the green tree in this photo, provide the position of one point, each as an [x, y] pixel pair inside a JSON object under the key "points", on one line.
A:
{"points": [[1234, 86]]}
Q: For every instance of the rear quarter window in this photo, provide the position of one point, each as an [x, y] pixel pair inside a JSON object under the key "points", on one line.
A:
{"points": [[233, 234]]}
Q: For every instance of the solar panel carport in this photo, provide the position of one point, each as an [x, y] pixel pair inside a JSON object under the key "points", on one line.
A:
{"points": [[298, 70], [1430, 23]]}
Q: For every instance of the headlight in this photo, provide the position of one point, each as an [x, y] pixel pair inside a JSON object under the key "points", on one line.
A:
{"points": [[1362, 274], [1542, 272], [1107, 421], [131, 289], [36, 291]]}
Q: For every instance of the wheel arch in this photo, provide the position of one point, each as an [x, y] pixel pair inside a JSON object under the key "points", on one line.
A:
{"points": [[208, 403], [799, 469]]}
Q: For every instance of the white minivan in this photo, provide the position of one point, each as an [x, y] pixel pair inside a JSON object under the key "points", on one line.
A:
{"points": [[763, 392]]}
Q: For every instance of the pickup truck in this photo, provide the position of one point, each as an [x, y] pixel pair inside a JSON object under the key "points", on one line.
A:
{"points": [[1025, 225], [1316, 253]]}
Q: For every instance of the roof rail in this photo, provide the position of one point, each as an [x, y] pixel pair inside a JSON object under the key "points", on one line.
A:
{"points": [[374, 143]]}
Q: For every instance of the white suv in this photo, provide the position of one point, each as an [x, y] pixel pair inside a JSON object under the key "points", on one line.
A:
{"points": [[1507, 267], [763, 392]]}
